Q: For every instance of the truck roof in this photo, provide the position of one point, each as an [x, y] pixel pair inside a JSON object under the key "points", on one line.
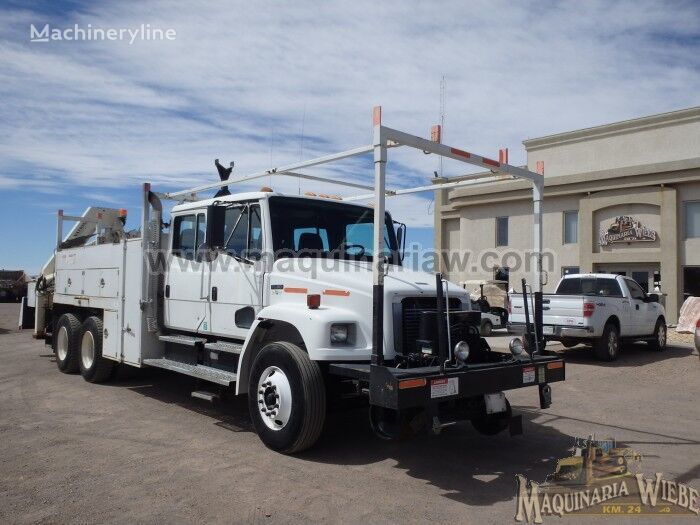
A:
{"points": [[257, 195]]}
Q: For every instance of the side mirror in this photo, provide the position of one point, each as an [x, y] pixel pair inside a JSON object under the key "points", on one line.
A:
{"points": [[653, 298], [401, 239], [216, 220]]}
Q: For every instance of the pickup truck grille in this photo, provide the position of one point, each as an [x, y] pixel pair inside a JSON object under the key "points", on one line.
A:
{"points": [[411, 308]]}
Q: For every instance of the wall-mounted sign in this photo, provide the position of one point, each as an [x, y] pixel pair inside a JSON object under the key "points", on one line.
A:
{"points": [[626, 229]]}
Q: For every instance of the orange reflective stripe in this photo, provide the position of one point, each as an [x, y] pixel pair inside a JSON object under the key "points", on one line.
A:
{"points": [[296, 290], [412, 383], [556, 364], [339, 293]]}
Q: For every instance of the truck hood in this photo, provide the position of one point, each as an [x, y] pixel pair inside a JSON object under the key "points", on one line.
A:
{"points": [[355, 276]]}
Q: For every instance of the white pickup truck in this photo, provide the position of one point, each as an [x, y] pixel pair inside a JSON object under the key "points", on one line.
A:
{"points": [[597, 309]]}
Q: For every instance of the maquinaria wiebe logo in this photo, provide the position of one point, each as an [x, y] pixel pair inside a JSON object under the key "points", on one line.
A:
{"points": [[599, 479]]}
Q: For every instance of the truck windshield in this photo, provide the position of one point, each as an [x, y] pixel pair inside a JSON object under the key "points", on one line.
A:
{"points": [[310, 228], [589, 286]]}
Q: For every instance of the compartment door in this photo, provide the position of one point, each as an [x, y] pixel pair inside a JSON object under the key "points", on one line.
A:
{"points": [[111, 336]]}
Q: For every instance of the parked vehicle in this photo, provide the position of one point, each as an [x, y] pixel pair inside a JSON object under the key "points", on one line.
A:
{"points": [[601, 310], [288, 300], [13, 285], [697, 335], [489, 321]]}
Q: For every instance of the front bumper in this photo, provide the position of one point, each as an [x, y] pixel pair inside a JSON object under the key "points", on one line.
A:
{"points": [[400, 388]]}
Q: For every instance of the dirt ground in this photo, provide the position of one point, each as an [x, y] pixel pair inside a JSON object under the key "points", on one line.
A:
{"points": [[141, 450]]}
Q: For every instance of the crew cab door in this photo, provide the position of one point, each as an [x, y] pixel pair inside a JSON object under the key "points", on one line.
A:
{"points": [[185, 299], [237, 272]]}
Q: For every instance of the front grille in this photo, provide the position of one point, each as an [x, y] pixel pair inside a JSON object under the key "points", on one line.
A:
{"points": [[411, 308]]}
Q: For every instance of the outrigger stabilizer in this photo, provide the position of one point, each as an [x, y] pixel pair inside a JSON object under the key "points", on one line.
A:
{"points": [[464, 377]]}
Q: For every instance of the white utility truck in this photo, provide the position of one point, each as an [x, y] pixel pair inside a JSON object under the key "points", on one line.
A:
{"points": [[286, 299], [599, 309]]}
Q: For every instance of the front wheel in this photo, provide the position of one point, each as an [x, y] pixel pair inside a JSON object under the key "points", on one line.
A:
{"points": [[607, 348], [486, 328], [286, 398], [658, 342]]}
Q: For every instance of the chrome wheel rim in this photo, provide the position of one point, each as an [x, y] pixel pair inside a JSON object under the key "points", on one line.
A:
{"points": [[662, 336], [87, 350], [612, 344], [274, 398], [62, 343]]}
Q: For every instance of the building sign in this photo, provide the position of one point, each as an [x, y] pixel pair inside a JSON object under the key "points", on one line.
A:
{"points": [[626, 229]]}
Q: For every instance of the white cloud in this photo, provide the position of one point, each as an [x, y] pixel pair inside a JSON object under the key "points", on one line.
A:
{"points": [[239, 78]]}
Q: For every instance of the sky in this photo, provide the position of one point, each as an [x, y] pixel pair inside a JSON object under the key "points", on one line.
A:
{"points": [[267, 83]]}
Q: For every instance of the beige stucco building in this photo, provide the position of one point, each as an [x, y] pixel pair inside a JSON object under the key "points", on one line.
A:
{"points": [[622, 197]]}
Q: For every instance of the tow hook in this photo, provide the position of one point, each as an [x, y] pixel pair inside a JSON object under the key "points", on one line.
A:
{"points": [[545, 396]]}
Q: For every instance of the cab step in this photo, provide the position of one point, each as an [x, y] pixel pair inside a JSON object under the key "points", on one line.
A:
{"points": [[205, 373], [205, 395], [179, 339], [224, 346]]}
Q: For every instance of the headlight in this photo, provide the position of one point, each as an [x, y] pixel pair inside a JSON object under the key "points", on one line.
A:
{"points": [[462, 352], [516, 346], [339, 333]]}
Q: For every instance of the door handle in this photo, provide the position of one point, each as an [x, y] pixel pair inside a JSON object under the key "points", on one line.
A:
{"points": [[167, 290], [636, 307], [600, 304], [214, 293]]}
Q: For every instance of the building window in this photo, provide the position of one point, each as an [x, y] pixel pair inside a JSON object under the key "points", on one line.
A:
{"points": [[570, 227], [568, 270], [502, 273], [692, 219], [691, 281], [501, 231]]}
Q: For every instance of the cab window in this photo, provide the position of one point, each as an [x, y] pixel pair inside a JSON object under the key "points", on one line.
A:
{"points": [[243, 232], [189, 233], [635, 290]]}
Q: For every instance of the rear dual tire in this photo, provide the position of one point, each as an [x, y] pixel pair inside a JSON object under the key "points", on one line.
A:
{"points": [[93, 367], [67, 343], [78, 346]]}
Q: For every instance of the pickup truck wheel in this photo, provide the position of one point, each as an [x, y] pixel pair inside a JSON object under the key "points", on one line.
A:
{"points": [[658, 343], [93, 367], [568, 343], [607, 348], [286, 398], [486, 328], [492, 424], [67, 343]]}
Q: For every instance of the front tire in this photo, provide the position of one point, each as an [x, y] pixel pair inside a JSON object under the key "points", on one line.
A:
{"points": [[658, 343], [486, 328], [286, 398], [607, 347], [67, 343], [93, 367]]}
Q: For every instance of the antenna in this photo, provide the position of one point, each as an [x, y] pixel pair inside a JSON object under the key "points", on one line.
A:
{"points": [[443, 87], [301, 145]]}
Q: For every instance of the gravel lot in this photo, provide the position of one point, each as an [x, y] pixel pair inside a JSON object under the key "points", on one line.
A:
{"points": [[141, 450]]}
